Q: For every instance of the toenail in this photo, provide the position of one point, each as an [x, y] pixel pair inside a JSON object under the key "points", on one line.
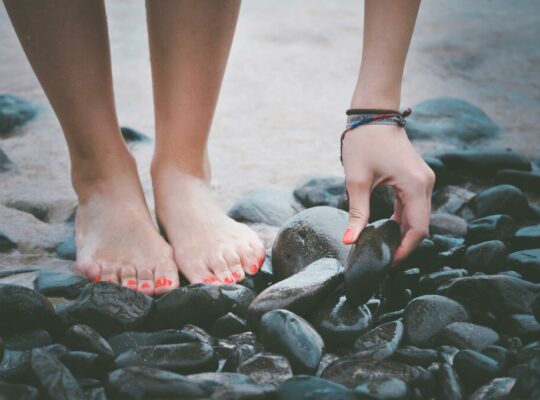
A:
{"points": [[261, 262], [132, 282], [254, 268], [145, 286], [160, 282], [97, 278], [168, 282], [236, 275], [210, 279], [229, 279]]}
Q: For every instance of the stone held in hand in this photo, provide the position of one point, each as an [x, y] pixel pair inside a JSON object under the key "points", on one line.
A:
{"points": [[308, 236], [284, 332], [300, 292], [370, 260]]}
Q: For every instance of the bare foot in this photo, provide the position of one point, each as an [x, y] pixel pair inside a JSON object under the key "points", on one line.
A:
{"points": [[208, 246], [117, 240]]}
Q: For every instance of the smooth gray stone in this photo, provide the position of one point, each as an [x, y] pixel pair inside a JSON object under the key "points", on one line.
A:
{"points": [[526, 262], [266, 368], [84, 338], [308, 236], [300, 386], [447, 224], [525, 180], [466, 335], [14, 391], [265, 206], [448, 383], [14, 112], [67, 249], [55, 284], [5, 163], [315, 191], [488, 257], [500, 199], [380, 342], [6, 243], [475, 369], [131, 340], [370, 260], [413, 355], [527, 237], [492, 227], [496, 389]]}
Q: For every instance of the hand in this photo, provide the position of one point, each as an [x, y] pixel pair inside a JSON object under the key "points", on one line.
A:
{"points": [[383, 155]]}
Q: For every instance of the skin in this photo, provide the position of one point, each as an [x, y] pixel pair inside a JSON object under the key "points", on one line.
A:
{"points": [[116, 238], [382, 154]]}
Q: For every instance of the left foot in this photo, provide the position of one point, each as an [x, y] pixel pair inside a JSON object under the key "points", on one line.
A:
{"points": [[208, 246]]}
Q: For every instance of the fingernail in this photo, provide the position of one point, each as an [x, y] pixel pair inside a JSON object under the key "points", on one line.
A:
{"points": [[229, 279], [132, 282], [236, 275], [254, 268], [145, 285], [261, 262], [348, 236]]}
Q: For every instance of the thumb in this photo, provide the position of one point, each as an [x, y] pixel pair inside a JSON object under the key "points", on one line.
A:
{"points": [[358, 211]]}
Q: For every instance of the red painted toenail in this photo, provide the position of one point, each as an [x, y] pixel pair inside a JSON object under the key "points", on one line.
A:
{"points": [[160, 282], [261, 262], [145, 286], [236, 275], [132, 282], [110, 280], [210, 279], [254, 268], [97, 278], [168, 282]]}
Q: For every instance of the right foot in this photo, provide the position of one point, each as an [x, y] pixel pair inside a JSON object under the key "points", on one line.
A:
{"points": [[117, 241]]}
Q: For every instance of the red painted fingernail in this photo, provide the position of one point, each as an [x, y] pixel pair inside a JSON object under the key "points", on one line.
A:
{"points": [[145, 285], [348, 236], [132, 282], [97, 278], [210, 279], [236, 275], [261, 262], [229, 279], [254, 268]]}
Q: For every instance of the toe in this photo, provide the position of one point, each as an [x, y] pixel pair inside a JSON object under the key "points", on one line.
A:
{"points": [[235, 265], [109, 273], [220, 268], [259, 250], [166, 278], [92, 271], [128, 277], [250, 263], [145, 280], [197, 272]]}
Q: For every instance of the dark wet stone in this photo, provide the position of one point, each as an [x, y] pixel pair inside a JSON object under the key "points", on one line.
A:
{"points": [[6, 243], [339, 322], [299, 293], [475, 369], [498, 294], [96, 394], [5, 163], [516, 370], [27, 340], [89, 383], [527, 384], [487, 257], [493, 227], [266, 206], [225, 347], [423, 256], [389, 317], [384, 389], [299, 386], [24, 309], [536, 308], [445, 243], [526, 262], [184, 358], [351, 395], [525, 180], [84, 338], [227, 325], [133, 340], [308, 236], [315, 191], [54, 378], [139, 383], [109, 308], [210, 381], [526, 238], [67, 249], [2, 348], [15, 366], [439, 169], [352, 372], [87, 365], [501, 199], [131, 135], [55, 284], [380, 342], [237, 298], [466, 335], [524, 326], [413, 355], [429, 283], [266, 368], [448, 383], [450, 119], [450, 199], [370, 260], [196, 304], [427, 315], [11, 391], [245, 392], [14, 112], [282, 331], [500, 354], [527, 353], [447, 224], [497, 388], [238, 356], [381, 203], [261, 280]]}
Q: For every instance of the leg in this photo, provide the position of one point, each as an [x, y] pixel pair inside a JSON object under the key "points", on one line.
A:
{"points": [[66, 42], [189, 47], [382, 154]]}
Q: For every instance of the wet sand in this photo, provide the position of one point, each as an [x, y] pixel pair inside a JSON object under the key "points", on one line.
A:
{"points": [[290, 77]]}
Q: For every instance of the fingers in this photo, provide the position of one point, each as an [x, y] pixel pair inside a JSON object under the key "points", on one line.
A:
{"points": [[359, 194]]}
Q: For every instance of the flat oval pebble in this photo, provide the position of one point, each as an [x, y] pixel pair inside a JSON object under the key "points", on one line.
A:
{"points": [[284, 332], [474, 368], [54, 284], [132, 340], [84, 338], [492, 227], [380, 342], [527, 263], [299, 293], [488, 257], [266, 368], [300, 386], [501, 199], [266, 206], [370, 259]]}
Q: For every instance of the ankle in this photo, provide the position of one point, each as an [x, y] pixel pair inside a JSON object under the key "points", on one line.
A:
{"points": [[196, 168]]}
